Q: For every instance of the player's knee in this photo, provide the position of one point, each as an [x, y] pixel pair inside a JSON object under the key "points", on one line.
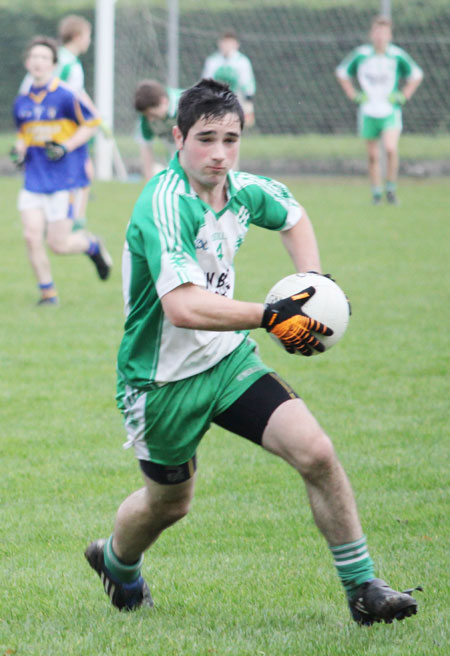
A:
{"points": [[170, 513], [32, 237], [317, 458], [391, 150], [57, 246], [373, 158]]}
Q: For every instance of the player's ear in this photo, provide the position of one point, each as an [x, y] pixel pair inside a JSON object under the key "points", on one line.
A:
{"points": [[177, 137]]}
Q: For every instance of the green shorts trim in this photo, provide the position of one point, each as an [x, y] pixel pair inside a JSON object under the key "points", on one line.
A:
{"points": [[165, 424], [370, 127]]}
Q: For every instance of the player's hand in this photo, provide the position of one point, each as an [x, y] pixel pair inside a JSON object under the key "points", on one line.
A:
{"points": [[54, 151], [325, 275], [397, 98], [16, 157], [328, 275], [286, 320], [360, 97]]}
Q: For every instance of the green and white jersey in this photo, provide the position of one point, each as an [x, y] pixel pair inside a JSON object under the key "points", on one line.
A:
{"points": [[378, 75], [236, 71], [162, 128], [174, 238], [70, 69]]}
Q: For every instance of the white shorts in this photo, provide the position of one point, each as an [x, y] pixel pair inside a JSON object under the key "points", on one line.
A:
{"points": [[56, 207]]}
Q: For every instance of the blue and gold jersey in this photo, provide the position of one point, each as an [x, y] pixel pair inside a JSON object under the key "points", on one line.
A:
{"points": [[52, 113]]}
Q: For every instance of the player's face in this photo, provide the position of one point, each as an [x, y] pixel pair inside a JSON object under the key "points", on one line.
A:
{"points": [[210, 149], [39, 63], [228, 46], [380, 36], [158, 112], [84, 40]]}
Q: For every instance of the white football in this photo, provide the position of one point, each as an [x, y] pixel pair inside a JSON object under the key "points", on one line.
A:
{"points": [[329, 305]]}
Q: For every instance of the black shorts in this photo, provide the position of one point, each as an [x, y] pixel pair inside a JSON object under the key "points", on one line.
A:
{"points": [[247, 417]]}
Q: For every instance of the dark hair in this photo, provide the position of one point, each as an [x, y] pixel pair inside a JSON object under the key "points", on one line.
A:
{"points": [[382, 20], [207, 99], [46, 41], [230, 33], [149, 93]]}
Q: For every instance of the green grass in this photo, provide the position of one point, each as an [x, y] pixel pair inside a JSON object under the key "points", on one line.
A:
{"points": [[246, 573]]}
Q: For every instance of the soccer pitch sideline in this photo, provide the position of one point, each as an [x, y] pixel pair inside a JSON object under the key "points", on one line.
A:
{"points": [[247, 572]]}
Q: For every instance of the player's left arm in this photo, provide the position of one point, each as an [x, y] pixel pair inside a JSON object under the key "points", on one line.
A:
{"points": [[301, 244], [411, 86], [413, 75]]}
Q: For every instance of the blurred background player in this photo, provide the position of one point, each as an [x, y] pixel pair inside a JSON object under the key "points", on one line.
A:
{"points": [[74, 34], [230, 66], [158, 107], [378, 66], [53, 125]]}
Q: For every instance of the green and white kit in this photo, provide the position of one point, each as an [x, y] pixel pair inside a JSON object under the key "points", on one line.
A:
{"points": [[175, 238], [235, 70], [378, 76], [172, 381], [70, 69], [148, 130]]}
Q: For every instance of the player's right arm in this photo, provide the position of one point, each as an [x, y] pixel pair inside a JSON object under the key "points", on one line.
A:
{"points": [[346, 71], [190, 306], [348, 88]]}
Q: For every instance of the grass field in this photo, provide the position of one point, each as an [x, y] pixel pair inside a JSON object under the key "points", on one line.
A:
{"points": [[246, 573]]}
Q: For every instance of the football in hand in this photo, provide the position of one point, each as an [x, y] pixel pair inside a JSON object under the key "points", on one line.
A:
{"points": [[329, 305]]}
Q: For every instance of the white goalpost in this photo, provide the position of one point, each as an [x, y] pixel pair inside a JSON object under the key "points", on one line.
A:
{"points": [[108, 160], [104, 84]]}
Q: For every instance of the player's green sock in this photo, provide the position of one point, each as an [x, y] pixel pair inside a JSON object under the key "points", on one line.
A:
{"points": [[377, 192], [391, 186], [121, 571], [79, 224], [353, 564]]}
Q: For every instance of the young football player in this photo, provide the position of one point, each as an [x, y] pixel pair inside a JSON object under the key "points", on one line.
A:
{"points": [[378, 68], [53, 125], [230, 66], [158, 106], [186, 359]]}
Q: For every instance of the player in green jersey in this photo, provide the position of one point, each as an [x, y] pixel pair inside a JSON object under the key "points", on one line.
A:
{"points": [[186, 359], [230, 66], [158, 106], [378, 68]]}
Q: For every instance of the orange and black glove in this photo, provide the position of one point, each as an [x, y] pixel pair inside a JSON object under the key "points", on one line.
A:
{"points": [[286, 320]]}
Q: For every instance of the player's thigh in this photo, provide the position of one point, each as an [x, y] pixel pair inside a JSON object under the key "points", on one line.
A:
{"points": [[58, 232], [390, 138], [32, 213], [270, 413], [294, 434], [250, 413], [33, 223]]}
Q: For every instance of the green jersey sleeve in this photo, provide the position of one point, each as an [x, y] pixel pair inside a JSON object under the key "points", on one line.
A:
{"points": [[407, 67], [270, 202], [348, 67], [163, 230], [145, 129]]}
